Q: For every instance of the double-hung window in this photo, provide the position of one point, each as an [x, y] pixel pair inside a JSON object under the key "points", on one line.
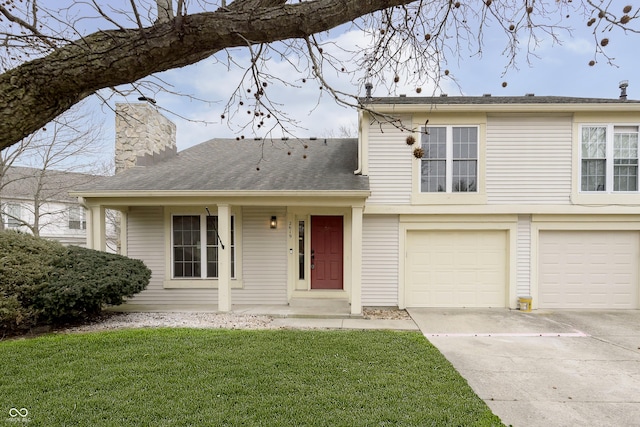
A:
{"points": [[12, 215], [450, 159], [77, 218], [191, 258], [609, 158]]}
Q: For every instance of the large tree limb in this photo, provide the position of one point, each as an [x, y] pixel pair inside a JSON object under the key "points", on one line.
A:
{"points": [[35, 92]]}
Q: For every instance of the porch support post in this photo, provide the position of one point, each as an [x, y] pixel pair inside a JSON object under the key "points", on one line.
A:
{"points": [[356, 260], [224, 258], [98, 238], [90, 225], [123, 237]]}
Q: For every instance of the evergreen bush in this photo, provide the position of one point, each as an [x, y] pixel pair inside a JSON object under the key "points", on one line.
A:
{"points": [[44, 282], [85, 280]]}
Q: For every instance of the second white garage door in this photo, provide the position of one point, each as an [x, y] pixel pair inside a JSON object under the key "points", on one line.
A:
{"points": [[589, 269], [456, 268]]}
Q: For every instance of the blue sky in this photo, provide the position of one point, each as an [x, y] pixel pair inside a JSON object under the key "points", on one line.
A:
{"points": [[558, 69]]}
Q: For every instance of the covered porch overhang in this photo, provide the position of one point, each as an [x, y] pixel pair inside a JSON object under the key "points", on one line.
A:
{"points": [[350, 202]]}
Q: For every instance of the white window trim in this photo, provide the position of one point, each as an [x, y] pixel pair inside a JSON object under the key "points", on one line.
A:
{"points": [[14, 221], [201, 282], [609, 153], [82, 217], [449, 158], [443, 198]]}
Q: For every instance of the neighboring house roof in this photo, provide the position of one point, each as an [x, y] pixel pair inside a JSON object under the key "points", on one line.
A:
{"points": [[246, 165], [492, 100], [20, 182]]}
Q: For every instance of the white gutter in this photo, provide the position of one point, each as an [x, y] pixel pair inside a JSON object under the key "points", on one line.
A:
{"points": [[222, 193]]}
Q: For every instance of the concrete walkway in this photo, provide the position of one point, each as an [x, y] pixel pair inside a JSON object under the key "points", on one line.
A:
{"points": [[561, 368], [311, 323]]}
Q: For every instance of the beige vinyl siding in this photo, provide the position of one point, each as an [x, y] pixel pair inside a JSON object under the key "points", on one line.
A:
{"points": [[264, 258], [528, 159], [523, 266], [389, 164], [380, 261], [146, 240]]}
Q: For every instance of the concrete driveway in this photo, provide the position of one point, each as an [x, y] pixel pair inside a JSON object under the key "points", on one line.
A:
{"points": [[545, 368]]}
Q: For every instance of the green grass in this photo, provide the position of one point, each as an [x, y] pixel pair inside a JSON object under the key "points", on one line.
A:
{"points": [[191, 377]]}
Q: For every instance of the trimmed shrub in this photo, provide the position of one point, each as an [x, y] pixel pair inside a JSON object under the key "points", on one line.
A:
{"points": [[26, 262], [85, 280], [13, 316], [44, 282]]}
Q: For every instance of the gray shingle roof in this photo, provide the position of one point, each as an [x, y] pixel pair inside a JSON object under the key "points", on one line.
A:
{"points": [[21, 182], [246, 165], [489, 100]]}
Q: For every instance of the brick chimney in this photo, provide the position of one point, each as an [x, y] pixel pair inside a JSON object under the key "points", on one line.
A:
{"points": [[143, 136]]}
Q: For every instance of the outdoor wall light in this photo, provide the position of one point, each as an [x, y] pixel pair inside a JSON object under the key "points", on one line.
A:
{"points": [[274, 222]]}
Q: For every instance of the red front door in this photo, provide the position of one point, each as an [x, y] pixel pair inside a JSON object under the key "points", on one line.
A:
{"points": [[326, 252]]}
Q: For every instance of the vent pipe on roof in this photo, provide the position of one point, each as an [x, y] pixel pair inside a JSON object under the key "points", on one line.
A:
{"points": [[146, 98], [368, 87], [623, 89]]}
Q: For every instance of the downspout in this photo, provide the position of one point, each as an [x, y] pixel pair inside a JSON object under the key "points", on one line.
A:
{"points": [[368, 88], [90, 223], [359, 170]]}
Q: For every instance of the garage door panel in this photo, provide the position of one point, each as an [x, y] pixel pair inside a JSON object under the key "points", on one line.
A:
{"points": [[456, 269], [589, 269]]}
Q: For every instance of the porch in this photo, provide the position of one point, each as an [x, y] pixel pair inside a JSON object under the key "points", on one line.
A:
{"points": [[273, 257]]}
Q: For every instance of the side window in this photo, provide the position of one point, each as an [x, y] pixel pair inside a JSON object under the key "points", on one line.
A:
{"points": [[625, 158], [186, 246], [465, 159], [594, 158]]}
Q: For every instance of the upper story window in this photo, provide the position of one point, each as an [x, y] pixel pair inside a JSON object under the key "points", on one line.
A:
{"points": [[77, 218], [12, 215], [609, 157], [450, 160], [192, 259]]}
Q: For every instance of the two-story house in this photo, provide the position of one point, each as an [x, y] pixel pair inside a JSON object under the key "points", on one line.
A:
{"points": [[440, 202], [37, 201]]}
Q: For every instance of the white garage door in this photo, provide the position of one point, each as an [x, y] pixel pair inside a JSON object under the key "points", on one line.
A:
{"points": [[588, 269], [456, 268]]}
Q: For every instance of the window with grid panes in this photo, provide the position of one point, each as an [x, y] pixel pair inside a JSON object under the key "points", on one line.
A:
{"points": [[12, 214], [77, 218], [450, 160], [609, 158], [191, 259]]}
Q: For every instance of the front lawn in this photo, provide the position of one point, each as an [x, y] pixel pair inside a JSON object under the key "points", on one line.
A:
{"points": [[193, 377]]}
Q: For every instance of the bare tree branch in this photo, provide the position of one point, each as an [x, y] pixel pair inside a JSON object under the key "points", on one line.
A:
{"points": [[32, 28], [35, 92], [410, 41]]}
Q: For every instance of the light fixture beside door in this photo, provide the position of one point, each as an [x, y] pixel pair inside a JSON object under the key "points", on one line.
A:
{"points": [[274, 222]]}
